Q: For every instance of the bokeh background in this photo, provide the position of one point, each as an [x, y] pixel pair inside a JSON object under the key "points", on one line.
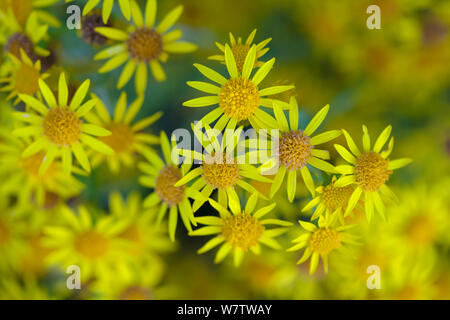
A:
{"points": [[397, 75]]}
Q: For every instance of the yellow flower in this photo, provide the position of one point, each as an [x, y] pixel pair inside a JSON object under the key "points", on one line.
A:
{"points": [[125, 6], [21, 175], [296, 149], [162, 176], [144, 43], [23, 77], [94, 246], [239, 230], [12, 230], [369, 170], [31, 262], [330, 200], [321, 241], [148, 241], [58, 129], [148, 238], [422, 218], [220, 169], [14, 288], [375, 248], [238, 97], [412, 277], [126, 138], [240, 50], [17, 12], [142, 283], [15, 38]]}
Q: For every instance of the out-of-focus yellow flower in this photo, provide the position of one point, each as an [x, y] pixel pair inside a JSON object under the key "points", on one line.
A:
{"points": [[221, 169], [126, 138], [148, 238], [141, 282], [296, 149], [240, 50], [239, 230], [22, 178], [321, 241], [238, 97], [144, 43], [14, 38], [17, 12], [92, 245], [22, 77], [369, 170], [412, 278], [162, 176], [421, 220], [57, 128], [12, 288], [31, 263], [12, 229], [107, 5], [352, 269]]}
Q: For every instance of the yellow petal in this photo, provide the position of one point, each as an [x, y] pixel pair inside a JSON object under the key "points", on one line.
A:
{"points": [[317, 120], [112, 33], [169, 20]]}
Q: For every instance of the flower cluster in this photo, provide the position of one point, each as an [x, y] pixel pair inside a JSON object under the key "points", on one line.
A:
{"points": [[59, 136]]}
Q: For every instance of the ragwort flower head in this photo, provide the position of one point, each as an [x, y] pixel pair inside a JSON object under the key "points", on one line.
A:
{"points": [[322, 240], [238, 97], [143, 45], [127, 138], [240, 50], [369, 170], [240, 230], [221, 168], [57, 128], [297, 149], [161, 176]]}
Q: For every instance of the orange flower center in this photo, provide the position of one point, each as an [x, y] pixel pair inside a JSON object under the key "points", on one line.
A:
{"points": [[336, 197], [121, 138], [165, 188], [371, 171], [239, 98], [144, 44], [220, 174], [294, 150], [324, 240], [62, 126], [92, 244], [27, 79], [420, 230], [242, 231]]}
